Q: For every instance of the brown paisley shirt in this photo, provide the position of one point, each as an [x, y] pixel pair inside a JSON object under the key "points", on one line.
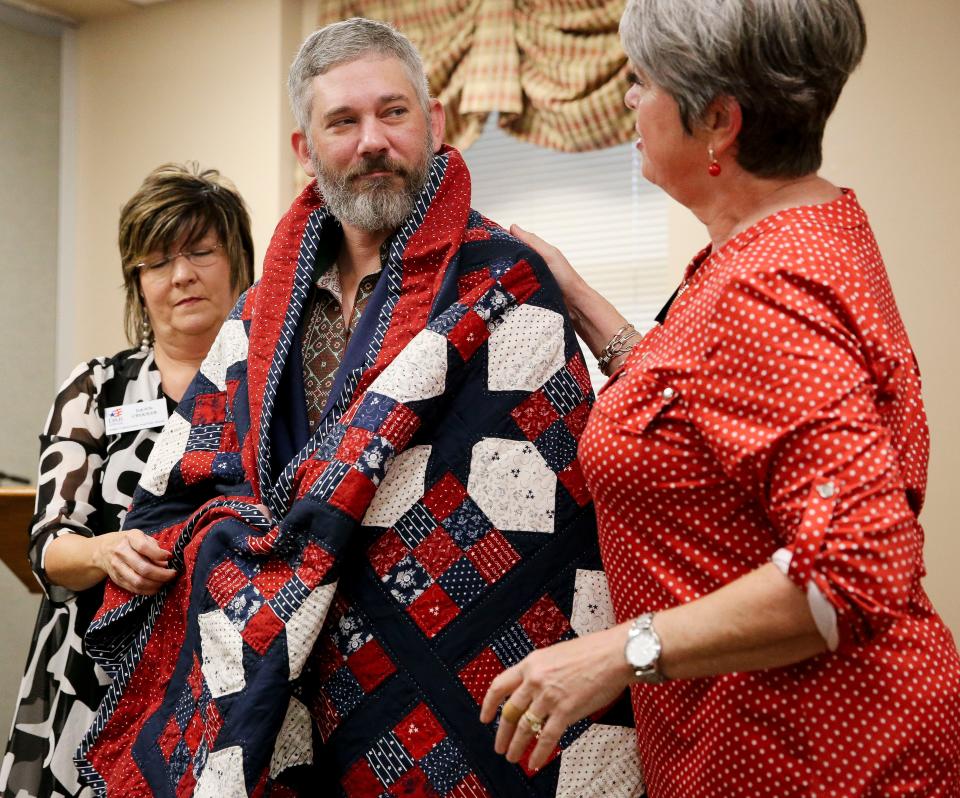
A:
{"points": [[325, 335]]}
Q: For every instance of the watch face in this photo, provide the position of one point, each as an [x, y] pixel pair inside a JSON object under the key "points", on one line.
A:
{"points": [[642, 651]]}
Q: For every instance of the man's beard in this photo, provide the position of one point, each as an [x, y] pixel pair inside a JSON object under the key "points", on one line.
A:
{"points": [[374, 204]]}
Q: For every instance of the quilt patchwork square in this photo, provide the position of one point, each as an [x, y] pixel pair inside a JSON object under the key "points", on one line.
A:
{"points": [[407, 580], [433, 609], [189, 732], [540, 625], [553, 417], [441, 555], [209, 408], [347, 665], [467, 524], [415, 758], [462, 582], [445, 496], [373, 411], [437, 552]]}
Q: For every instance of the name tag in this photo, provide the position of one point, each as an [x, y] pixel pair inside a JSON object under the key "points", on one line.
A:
{"points": [[139, 415]]}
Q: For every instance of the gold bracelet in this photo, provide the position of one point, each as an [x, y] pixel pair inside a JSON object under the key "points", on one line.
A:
{"points": [[617, 346]]}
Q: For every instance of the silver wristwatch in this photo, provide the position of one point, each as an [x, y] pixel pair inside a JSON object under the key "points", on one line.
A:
{"points": [[642, 650]]}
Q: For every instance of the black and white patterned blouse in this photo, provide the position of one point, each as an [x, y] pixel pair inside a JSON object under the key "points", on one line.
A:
{"points": [[85, 485]]}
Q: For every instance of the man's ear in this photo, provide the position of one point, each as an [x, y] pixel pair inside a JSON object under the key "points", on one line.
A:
{"points": [[301, 148], [722, 123], [438, 123]]}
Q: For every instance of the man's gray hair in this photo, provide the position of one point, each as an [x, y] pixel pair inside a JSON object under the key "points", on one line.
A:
{"points": [[342, 42], [784, 61]]}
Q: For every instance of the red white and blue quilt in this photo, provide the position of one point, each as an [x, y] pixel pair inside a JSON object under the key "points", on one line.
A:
{"points": [[346, 597]]}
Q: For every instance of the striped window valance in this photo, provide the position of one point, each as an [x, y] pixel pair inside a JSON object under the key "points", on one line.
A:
{"points": [[554, 70]]}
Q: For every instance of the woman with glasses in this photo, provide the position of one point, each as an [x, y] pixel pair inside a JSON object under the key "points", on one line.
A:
{"points": [[187, 255]]}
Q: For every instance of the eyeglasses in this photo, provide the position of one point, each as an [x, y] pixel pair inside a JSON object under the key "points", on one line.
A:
{"points": [[161, 268]]}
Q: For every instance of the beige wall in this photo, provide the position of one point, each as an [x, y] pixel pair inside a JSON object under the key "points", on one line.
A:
{"points": [[29, 108], [201, 80], [893, 138], [29, 103]]}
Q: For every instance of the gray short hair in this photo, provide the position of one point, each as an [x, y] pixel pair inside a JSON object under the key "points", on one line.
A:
{"points": [[784, 61], [342, 42]]}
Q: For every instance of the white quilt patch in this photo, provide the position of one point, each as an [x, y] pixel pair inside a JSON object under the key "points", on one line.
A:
{"points": [[525, 350], [601, 763], [304, 626], [166, 453], [512, 484], [222, 647], [418, 372], [229, 347], [294, 744], [401, 487], [222, 777], [592, 608]]}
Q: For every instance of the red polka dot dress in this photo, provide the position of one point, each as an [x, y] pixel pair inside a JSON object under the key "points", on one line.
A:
{"points": [[776, 414]]}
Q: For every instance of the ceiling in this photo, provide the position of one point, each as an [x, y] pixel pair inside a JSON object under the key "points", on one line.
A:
{"points": [[79, 11]]}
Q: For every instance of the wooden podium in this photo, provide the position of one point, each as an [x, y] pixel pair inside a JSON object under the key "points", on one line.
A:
{"points": [[16, 510]]}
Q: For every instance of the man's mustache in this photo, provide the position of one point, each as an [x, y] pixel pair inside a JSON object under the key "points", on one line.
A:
{"points": [[376, 164]]}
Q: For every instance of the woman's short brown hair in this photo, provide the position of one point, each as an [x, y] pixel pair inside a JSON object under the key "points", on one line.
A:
{"points": [[179, 202]]}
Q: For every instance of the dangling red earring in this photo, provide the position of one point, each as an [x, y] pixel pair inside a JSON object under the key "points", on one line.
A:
{"points": [[714, 168]]}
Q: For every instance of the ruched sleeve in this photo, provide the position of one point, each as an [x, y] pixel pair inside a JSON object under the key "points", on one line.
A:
{"points": [[786, 397]]}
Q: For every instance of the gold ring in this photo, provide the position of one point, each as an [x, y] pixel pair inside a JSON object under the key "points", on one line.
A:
{"points": [[535, 723], [510, 713]]}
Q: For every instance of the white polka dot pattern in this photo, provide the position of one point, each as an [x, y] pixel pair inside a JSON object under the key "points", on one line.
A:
{"points": [[294, 744], [229, 347], [304, 626], [418, 372], [525, 350], [166, 453], [401, 487], [510, 481], [601, 763], [223, 775], [222, 648], [779, 406]]}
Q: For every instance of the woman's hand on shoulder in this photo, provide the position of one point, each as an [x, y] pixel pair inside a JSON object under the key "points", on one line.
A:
{"points": [[559, 685], [593, 317], [570, 283], [134, 561]]}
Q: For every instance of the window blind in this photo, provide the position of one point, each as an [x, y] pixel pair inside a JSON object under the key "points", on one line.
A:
{"points": [[594, 206]]}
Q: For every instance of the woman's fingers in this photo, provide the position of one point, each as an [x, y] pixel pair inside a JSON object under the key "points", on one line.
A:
{"points": [[147, 547], [568, 280], [508, 726], [553, 688], [133, 570], [497, 693], [547, 740], [530, 724], [530, 239], [554, 257], [127, 578], [145, 568]]}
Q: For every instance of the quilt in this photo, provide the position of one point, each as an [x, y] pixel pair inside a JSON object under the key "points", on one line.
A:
{"points": [[346, 597]]}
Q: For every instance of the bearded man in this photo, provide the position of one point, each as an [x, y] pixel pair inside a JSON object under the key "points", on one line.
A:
{"points": [[370, 490]]}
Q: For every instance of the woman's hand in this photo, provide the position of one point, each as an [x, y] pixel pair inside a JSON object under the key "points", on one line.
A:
{"points": [[593, 317], [560, 685], [133, 560], [571, 284]]}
